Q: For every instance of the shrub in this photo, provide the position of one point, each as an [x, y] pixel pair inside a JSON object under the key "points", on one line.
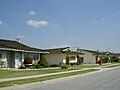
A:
{"points": [[2, 63], [65, 66], [104, 59], [67, 60], [79, 62], [43, 62], [37, 66], [28, 60], [22, 67], [72, 64], [54, 65]]}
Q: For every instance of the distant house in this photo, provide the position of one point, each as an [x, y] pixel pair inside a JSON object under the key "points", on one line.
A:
{"points": [[58, 55], [90, 56], [14, 52], [110, 56]]}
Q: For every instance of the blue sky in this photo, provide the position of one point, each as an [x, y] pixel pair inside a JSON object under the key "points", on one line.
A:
{"points": [[90, 24]]}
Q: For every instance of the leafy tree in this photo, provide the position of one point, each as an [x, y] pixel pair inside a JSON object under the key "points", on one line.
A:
{"points": [[43, 61], [28, 60], [67, 60], [79, 60]]}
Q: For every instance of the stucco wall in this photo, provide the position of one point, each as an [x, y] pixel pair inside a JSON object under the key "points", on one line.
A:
{"points": [[18, 59], [89, 58], [55, 58], [4, 58]]}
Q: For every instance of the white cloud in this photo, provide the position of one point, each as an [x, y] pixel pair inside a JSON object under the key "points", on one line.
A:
{"points": [[37, 23], [32, 13], [1, 23]]}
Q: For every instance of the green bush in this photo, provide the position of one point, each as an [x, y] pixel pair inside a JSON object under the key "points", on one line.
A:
{"points": [[36, 66], [65, 66], [104, 59], [28, 60], [43, 62], [22, 67], [2, 63], [67, 60], [54, 65]]}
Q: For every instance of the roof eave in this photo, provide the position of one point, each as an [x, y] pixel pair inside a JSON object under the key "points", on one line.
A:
{"points": [[9, 49]]}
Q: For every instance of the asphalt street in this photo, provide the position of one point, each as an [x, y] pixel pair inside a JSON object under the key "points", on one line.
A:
{"points": [[103, 80]]}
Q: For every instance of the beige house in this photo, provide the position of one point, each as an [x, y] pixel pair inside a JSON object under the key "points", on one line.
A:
{"points": [[90, 56], [58, 56]]}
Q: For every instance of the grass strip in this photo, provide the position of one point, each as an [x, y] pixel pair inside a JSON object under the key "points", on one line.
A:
{"points": [[21, 73], [44, 78], [111, 66]]}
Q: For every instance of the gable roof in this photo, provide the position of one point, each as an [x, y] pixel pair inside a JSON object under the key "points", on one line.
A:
{"points": [[62, 50], [91, 51], [11, 44], [58, 50]]}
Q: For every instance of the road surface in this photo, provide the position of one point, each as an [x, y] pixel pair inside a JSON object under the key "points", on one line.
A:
{"points": [[104, 80]]}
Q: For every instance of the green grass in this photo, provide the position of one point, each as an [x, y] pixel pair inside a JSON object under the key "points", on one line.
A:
{"points": [[84, 66], [20, 73], [44, 78], [112, 66]]}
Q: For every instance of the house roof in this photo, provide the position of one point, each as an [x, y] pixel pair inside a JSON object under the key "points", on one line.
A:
{"points": [[11, 44], [62, 50], [91, 51], [58, 50]]}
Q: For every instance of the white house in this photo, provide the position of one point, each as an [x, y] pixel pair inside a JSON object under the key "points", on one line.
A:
{"points": [[12, 53], [58, 55], [90, 56]]}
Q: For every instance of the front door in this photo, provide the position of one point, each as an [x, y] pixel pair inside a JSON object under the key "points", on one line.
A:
{"points": [[11, 59]]}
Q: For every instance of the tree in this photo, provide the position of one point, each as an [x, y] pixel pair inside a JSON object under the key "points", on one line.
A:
{"points": [[43, 61], [28, 60], [79, 60], [67, 60]]}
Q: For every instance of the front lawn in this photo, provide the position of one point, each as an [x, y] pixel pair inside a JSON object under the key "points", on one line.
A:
{"points": [[84, 66], [44, 78], [20, 73]]}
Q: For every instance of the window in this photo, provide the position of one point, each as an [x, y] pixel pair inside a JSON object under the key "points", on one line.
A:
{"points": [[35, 56], [71, 57]]}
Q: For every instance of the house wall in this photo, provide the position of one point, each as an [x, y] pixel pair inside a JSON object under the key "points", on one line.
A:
{"points": [[4, 58], [89, 58], [55, 58], [18, 59]]}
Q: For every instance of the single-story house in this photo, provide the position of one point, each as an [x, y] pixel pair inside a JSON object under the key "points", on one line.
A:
{"points": [[12, 53], [58, 56], [90, 56], [110, 56]]}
